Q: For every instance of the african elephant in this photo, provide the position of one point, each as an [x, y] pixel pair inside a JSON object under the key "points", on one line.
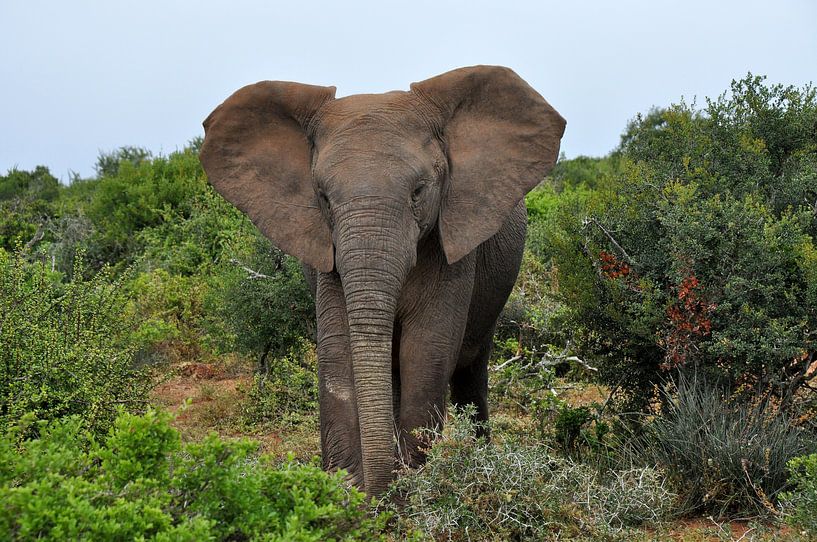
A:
{"points": [[406, 209]]}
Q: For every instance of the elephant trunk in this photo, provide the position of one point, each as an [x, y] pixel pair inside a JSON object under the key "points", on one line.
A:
{"points": [[373, 260]]}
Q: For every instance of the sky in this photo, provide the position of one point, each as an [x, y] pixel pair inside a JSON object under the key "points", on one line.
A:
{"points": [[88, 76]]}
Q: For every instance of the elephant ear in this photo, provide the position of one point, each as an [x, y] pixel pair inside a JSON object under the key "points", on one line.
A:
{"points": [[257, 155], [502, 139]]}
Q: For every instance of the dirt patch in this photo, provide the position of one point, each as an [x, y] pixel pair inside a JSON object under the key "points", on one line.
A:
{"points": [[708, 529], [209, 398]]}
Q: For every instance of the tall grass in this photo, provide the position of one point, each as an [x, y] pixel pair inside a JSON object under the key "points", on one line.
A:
{"points": [[725, 456]]}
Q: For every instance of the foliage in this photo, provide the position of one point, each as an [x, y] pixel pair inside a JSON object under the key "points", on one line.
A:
{"points": [[29, 185], [261, 300], [801, 501], [583, 434], [583, 172], [140, 483], [546, 207], [193, 244], [521, 383], [288, 392], [108, 163], [141, 194], [472, 490], [698, 253], [531, 309], [63, 346], [724, 456], [170, 315], [26, 206]]}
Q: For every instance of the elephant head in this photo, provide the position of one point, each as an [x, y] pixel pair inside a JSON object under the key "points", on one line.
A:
{"points": [[354, 185]]}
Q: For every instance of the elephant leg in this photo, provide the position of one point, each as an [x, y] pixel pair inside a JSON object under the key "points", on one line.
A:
{"points": [[469, 383], [431, 336], [340, 431], [423, 374]]}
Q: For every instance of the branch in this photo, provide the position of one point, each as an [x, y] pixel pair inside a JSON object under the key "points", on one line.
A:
{"points": [[253, 275], [591, 220], [506, 362], [37, 237], [797, 381], [549, 360]]}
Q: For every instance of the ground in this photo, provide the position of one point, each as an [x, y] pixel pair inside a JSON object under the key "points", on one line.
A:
{"points": [[209, 397]]}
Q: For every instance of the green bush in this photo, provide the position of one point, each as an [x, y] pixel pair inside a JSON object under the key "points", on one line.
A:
{"points": [[288, 392], [170, 315], [581, 433], [546, 207], [140, 484], [27, 206], [108, 163], [801, 502], [698, 252], [725, 456], [260, 302], [471, 490], [529, 315], [64, 346], [141, 194], [29, 185], [583, 172]]}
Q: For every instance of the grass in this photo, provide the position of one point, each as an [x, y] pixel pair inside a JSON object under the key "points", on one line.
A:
{"points": [[726, 457]]}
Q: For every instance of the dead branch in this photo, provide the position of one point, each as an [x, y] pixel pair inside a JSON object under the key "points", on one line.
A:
{"points": [[590, 220], [251, 273], [40, 233]]}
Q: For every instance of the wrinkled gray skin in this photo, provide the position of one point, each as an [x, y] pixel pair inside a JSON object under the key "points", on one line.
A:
{"points": [[406, 210]]}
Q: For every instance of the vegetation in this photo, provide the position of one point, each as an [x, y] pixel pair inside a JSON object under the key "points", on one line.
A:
{"points": [[656, 358], [697, 253], [63, 348], [725, 456], [473, 490], [802, 500], [140, 483]]}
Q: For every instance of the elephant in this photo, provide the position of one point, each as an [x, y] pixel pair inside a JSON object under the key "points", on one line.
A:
{"points": [[407, 212]]}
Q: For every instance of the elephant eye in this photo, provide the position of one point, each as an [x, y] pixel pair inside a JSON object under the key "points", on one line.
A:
{"points": [[418, 191], [325, 200]]}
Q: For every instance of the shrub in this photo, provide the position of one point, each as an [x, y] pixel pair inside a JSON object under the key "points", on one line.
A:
{"points": [[260, 301], [528, 316], [583, 172], [616, 499], [522, 384], [471, 490], [582, 434], [170, 315], [723, 454], [108, 163], [140, 483], [140, 194], [29, 185], [63, 347], [801, 501], [27, 206], [194, 243], [287, 392], [698, 252]]}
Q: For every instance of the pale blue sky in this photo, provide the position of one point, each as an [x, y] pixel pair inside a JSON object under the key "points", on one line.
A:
{"points": [[79, 77]]}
